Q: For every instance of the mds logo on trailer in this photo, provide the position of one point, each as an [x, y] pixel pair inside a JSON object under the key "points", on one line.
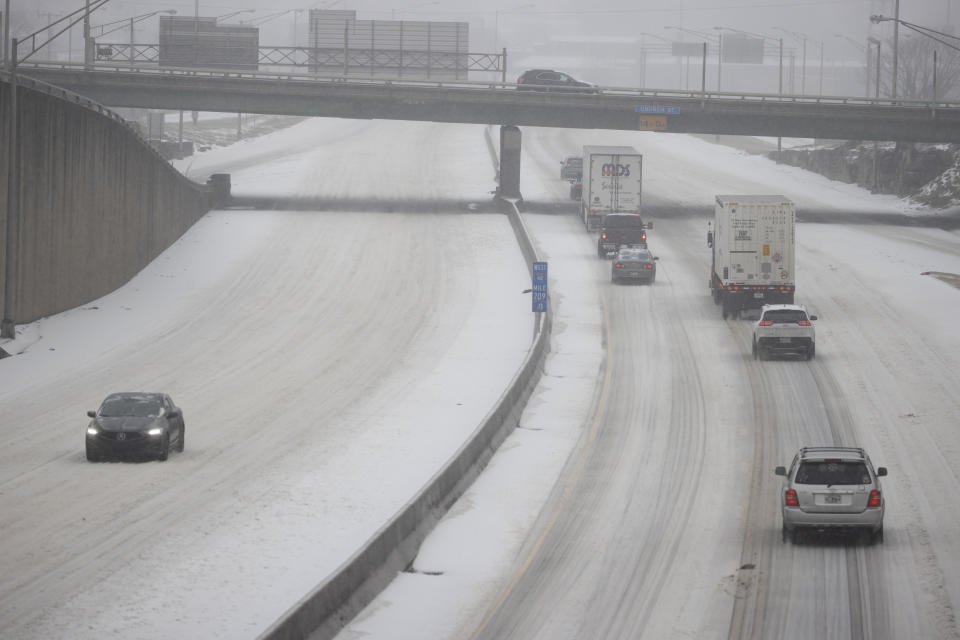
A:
{"points": [[615, 170]]}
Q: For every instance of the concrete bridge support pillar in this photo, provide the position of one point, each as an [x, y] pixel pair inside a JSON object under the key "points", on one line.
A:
{"points": [[510, 143]]}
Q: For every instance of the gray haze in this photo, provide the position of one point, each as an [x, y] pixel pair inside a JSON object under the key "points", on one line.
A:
{"points": [[826, 36]]}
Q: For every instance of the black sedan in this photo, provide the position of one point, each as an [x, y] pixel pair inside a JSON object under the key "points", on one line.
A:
{"points": [[135, 424], [634, 263]]}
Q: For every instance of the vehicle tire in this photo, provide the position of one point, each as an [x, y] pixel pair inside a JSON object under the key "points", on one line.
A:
{"points": [[784, 533], [812, 352], [183, 438], [164, 448], [755, 356], [91, 456], [795, 536], [613, 279], [877, 537]]}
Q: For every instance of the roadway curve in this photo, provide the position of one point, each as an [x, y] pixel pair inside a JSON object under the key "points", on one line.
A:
{"points": [[664, 522], [311, 352]]}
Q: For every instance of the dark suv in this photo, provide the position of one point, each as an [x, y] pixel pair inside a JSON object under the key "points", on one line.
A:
{"points": [[619, 229], [550, 80], [571, 168]]}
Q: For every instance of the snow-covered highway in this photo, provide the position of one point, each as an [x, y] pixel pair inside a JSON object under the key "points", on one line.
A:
{"points": [[329, 362]]}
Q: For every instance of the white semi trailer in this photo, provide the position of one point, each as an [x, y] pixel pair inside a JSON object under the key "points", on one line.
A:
{"points": [[753, 240], [612, 179]]}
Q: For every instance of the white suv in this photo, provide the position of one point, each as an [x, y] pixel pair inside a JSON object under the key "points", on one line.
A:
{"points": [[784, 329], [832, 489]]}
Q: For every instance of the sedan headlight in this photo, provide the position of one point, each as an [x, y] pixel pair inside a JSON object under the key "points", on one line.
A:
{"points": [[92, 431], [156, 431]]}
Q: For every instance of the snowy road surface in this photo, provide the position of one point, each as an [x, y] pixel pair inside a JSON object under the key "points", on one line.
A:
{"points": [[327, 365], [663, 522], [636, 500]]}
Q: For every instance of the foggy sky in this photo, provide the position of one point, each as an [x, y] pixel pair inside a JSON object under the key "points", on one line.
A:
{"points": [[532, 20]]}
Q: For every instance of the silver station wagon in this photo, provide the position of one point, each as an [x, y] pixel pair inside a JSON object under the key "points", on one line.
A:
{"points": [[832, 489]]}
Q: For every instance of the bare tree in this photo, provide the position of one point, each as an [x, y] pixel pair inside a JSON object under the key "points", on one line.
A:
{"points": [[915, 69]]}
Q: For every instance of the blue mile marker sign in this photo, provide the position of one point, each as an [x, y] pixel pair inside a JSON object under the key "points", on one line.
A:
{"points": [[539, 286]]}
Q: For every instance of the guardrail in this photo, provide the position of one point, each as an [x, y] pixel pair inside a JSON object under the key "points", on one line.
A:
{"points": [[665, 94]]}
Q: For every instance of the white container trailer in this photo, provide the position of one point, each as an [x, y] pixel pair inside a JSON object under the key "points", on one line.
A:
{"points": [[753, 241], [612, 178]]}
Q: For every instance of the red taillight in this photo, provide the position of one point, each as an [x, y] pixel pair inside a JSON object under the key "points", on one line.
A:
{"points": [[619, 265], [603, 236], [804, 323], [766, 323], [790, 498], [874, 500], [649, 266]]}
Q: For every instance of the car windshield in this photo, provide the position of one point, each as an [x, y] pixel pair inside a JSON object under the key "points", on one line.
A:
{"points": [[621, 222], [832, 472], [785, 316], [131, 406]]}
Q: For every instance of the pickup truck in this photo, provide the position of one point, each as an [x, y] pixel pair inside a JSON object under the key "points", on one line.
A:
{"points": [[619, 229]]}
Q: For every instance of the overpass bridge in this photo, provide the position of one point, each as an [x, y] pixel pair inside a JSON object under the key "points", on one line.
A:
{"points": [[500, 103]]}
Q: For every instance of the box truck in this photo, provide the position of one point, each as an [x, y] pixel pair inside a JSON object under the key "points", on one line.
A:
{"points": [[611, 182], [753, 241]]}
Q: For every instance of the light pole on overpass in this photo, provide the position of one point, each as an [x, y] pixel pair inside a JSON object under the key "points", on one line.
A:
{"points": [[708, 38], [933, 34], [764, 38], [864, 50], [802, 39], [123, 23]]}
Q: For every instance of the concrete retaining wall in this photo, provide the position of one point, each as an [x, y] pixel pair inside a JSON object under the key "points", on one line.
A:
{"points": [[97, 203]]}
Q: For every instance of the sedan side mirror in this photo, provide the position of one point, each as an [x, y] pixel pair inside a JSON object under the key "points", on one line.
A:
{"points": [[173, 414], [881, 471], [812, 318], [649, 225], [91, 414], [780, 471], [656, 257], [710, 238]]}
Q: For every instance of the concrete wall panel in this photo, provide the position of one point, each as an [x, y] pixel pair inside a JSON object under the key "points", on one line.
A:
{"points": [[97, 203]]}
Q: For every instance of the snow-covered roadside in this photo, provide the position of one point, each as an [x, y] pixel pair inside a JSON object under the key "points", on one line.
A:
{"points": [[455, 578]]}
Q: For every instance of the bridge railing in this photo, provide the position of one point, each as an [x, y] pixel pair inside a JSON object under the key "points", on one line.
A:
{"points": [[661, 96], [396, 62]]}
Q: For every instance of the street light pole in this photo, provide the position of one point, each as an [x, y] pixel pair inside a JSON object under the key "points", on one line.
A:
{"points": [[896, 47]]}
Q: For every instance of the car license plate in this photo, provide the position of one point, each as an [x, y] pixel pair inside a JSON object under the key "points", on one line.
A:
{"points": [[831, 499], [758, 294], [784, 340]]}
